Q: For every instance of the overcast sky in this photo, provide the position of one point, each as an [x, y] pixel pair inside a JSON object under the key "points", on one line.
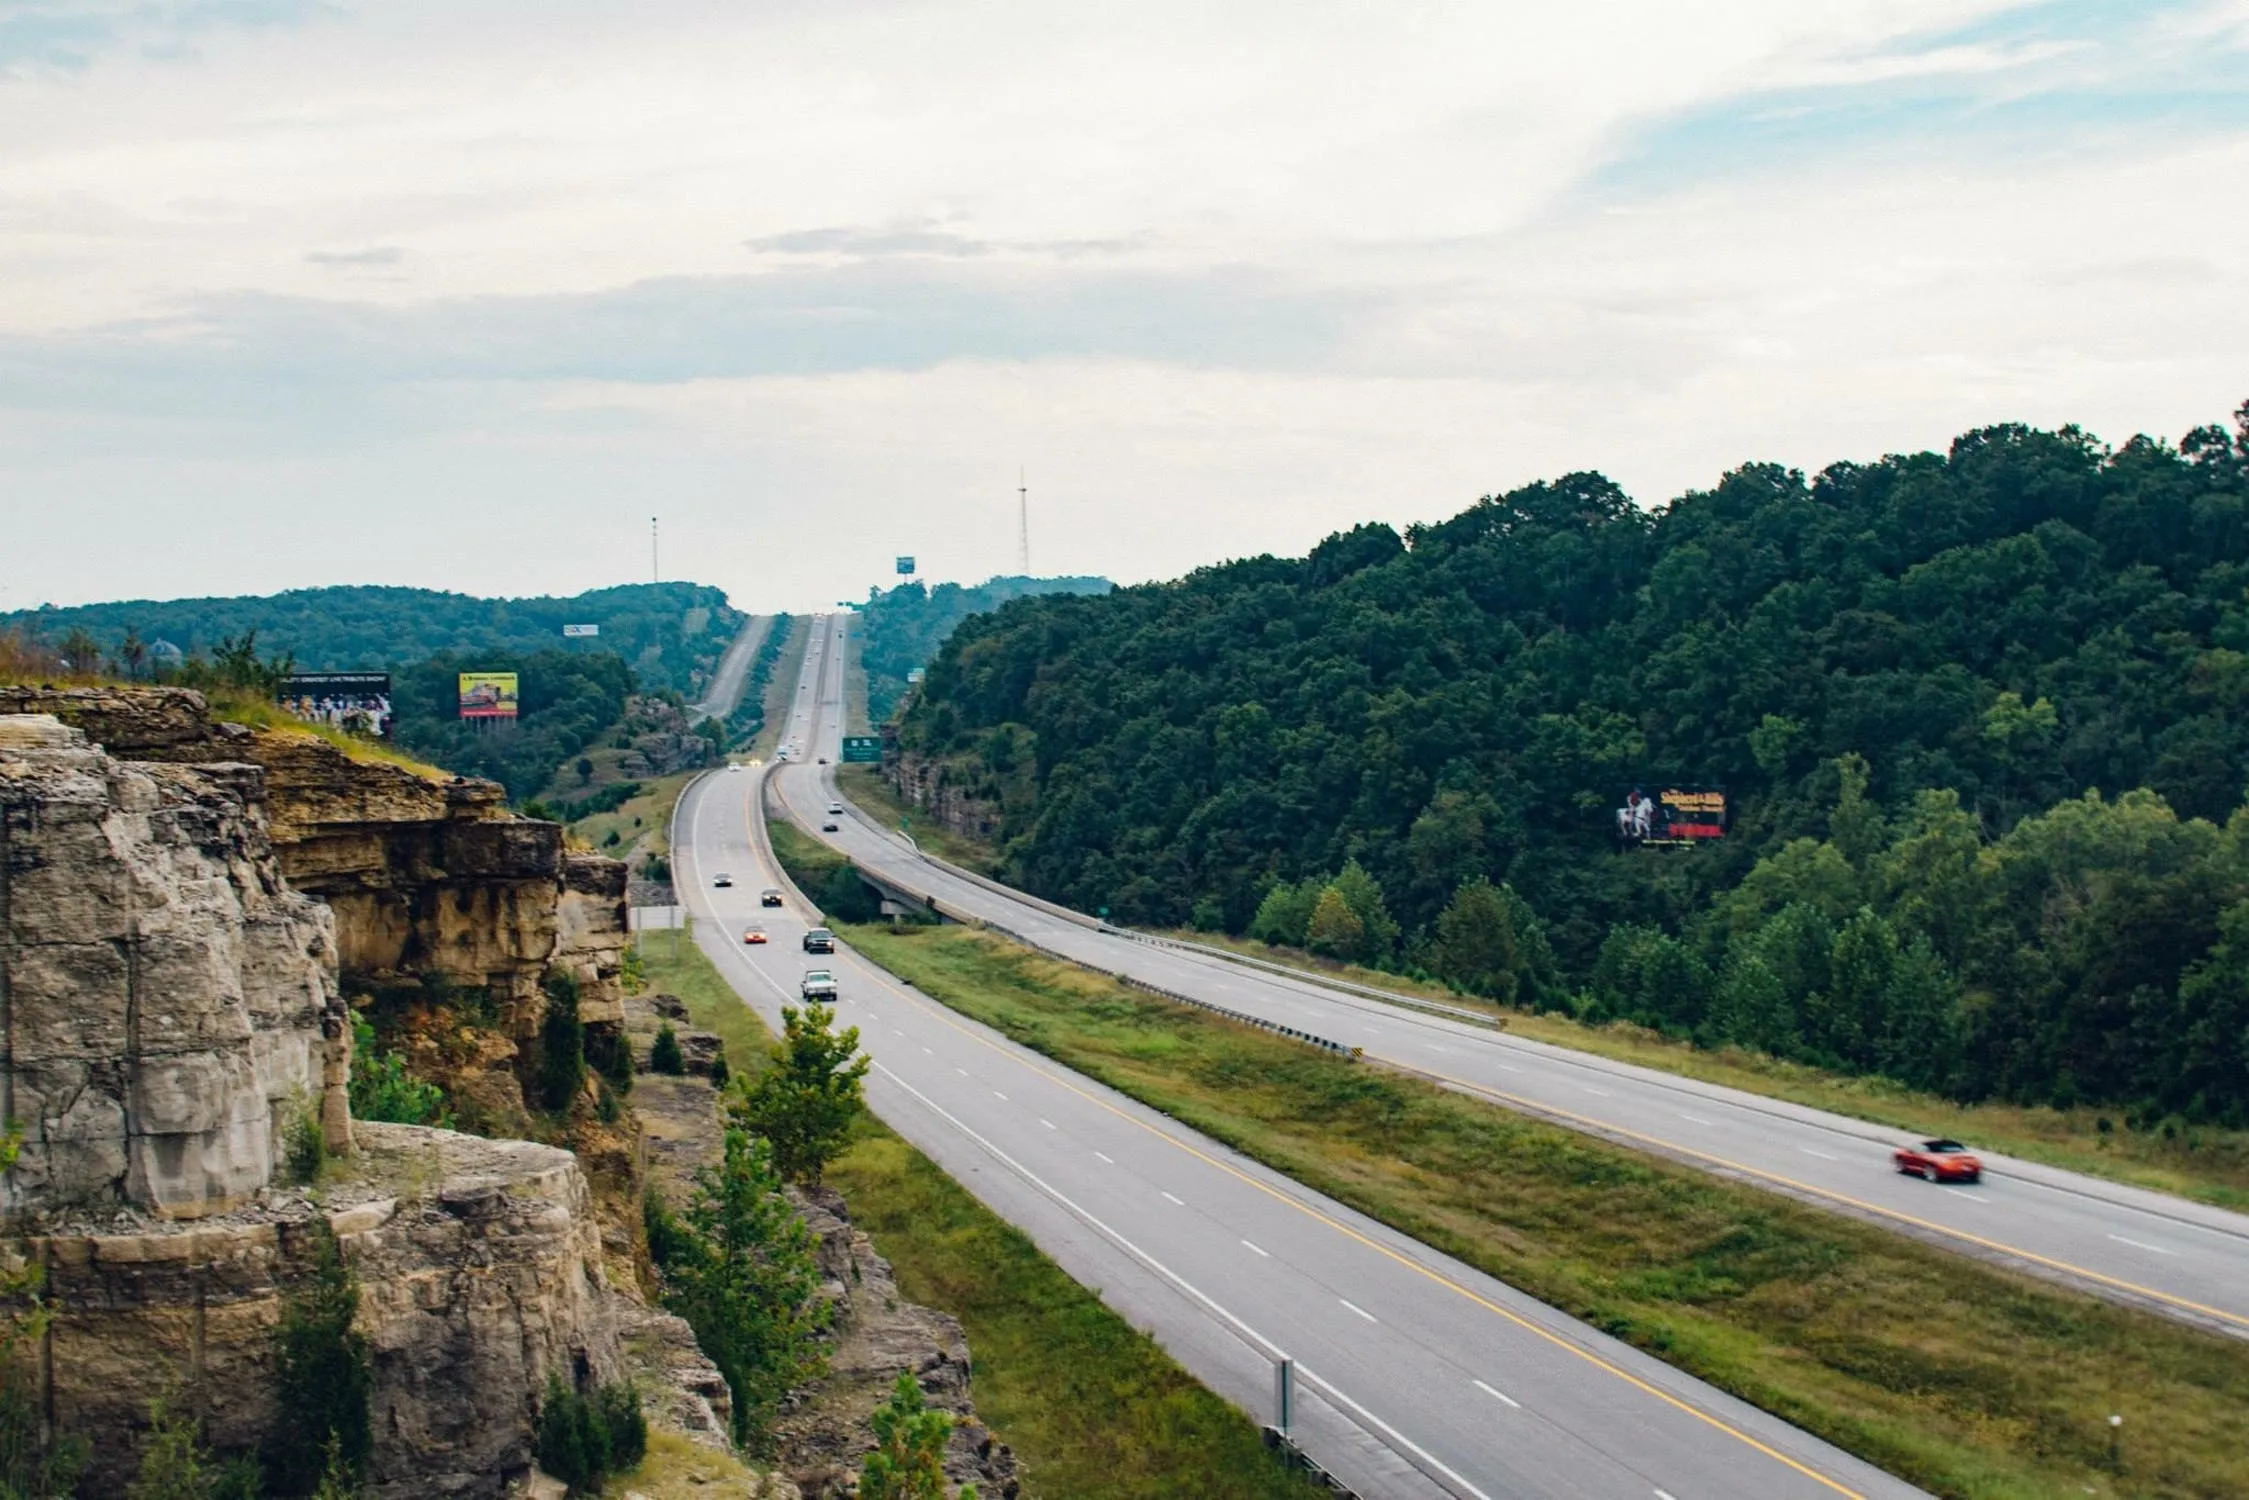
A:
{"points": [[459, 293]]}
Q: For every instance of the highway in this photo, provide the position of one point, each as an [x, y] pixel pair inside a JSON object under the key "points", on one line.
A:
{"points": [[2146, 1249], [733, 667], [1416, 1375]]}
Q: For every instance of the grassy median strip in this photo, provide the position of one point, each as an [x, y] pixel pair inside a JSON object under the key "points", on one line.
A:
{"points": [[2204, 1162], [1093, 1407], [1961, 1378]]}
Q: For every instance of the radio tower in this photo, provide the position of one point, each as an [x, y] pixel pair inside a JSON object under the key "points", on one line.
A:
{"points": [[1023, 523], [655, 569]]}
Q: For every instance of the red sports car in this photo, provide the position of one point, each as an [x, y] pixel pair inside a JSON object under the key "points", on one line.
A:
{"points": [[754, 935], [1939, 1161]]}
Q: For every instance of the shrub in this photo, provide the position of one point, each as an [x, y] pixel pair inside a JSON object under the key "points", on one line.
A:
{"points": [[908, 1462], [382, 1089], [304, 1145], [584, 1439], [664, 1055], [321, 1377], [721, 1074], [562, 1045]]}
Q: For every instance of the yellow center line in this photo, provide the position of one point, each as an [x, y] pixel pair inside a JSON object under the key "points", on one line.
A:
{"points": [[1603, 1127], [946, 1019]]}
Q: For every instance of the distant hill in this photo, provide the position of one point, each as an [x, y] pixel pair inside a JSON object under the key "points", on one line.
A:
{"points": [[670, 634], [1981, 717], [901, 629]]}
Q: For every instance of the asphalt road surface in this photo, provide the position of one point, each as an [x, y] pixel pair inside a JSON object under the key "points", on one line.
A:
{"points": [[726, 687], [2143, 1248], [1416, 1375]]}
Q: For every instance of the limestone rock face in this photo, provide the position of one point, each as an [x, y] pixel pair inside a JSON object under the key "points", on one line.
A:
{"points": [[163, 989], [480, 1272], [424, 876], [932, 787]]}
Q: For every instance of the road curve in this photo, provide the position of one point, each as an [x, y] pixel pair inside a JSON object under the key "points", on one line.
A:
{"points": [[1418, 1375], [2168, 1255]]}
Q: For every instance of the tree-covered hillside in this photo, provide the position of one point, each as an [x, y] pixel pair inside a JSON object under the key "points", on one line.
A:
{"points": [[901, 628], [670, 634], [1983, 716]]}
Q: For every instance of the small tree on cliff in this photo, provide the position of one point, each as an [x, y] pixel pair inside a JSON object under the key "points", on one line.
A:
{"points": [[321, 1376], [739, 1268], [909, 1458], [805, 1101], [562, 1044]]}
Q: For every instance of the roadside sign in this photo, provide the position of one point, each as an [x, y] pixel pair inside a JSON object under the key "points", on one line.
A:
{"points": [[862, 749], [581, 632]]}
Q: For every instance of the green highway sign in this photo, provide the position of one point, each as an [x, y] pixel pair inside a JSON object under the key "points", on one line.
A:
{"points": [[861, 747]]}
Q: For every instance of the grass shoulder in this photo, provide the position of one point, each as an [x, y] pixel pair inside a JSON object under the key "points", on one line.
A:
{"points": [[2208, 1164], [1959, 1377], [1094, 1407], [643, 821]]}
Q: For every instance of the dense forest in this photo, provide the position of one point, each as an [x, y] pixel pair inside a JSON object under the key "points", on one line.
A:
{"points": [[901, 628], [670, 634], [567, 700], [1982, 717]]}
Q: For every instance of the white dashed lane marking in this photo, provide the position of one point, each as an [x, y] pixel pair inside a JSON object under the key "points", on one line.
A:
{"points": [[1498, 1395]]}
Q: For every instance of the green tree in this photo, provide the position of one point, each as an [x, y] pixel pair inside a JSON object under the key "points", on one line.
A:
{"points": [[664, 1055], [1477, 946], [1363, 894], [908, 1461], [382, 1089], [1335, 930], [740, 1270], [805, 1100], [1284, 915], [322, 1377], [174, 1464], [562, 1044]]}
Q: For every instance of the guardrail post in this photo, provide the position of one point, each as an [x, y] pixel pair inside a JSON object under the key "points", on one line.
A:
{"points": [[1284, 1393]]}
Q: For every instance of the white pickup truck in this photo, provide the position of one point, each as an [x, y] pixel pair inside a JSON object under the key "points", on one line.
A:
{"points": [[818, 984]]}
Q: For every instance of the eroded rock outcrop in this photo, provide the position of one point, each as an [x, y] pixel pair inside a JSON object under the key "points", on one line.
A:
{"points": [[162, 990]]}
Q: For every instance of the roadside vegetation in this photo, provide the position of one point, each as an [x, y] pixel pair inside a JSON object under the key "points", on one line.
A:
{"points": [[1961, 1378], [781, 687], [1094, 1408], [865, 787], [1977, 719], [2204, 1162]]}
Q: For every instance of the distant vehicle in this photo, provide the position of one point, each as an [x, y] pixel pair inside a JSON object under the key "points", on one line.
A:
{"points": [[733, 765], [722, 880], [819, 940], [823, 760], [1939, 1161], [770, 896], [835, 809], [831, 826], [818, 984], [754, 935]]}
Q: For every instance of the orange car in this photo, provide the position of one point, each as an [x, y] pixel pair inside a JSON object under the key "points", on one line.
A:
{"points": [[754, 935], [1939, 1161]]}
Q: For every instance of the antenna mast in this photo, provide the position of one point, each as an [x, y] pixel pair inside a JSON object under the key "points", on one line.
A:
{"points": [[1023, 521], [655, 570]]}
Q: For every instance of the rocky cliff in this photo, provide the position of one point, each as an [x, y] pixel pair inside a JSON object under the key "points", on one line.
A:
{"points": [[945, 793], [168, 1007], [163, 993]]}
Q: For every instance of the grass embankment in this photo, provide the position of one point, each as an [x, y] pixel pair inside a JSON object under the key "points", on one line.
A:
{"points": [[1961, 1378], [781, 687], [645, 818], [2204, 1163], [866, 788], [855, 719], [1094, 1408]]}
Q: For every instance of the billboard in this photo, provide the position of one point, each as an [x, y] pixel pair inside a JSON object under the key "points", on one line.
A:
{"points": [[1671, 815], [488, 695], [355, 701], [859, 748], [575, 632], [905, 567]]}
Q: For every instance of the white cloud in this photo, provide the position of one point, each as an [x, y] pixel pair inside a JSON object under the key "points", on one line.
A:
{"points": [[440, 292]]}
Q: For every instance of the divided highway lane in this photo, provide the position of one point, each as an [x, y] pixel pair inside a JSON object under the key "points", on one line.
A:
{"points": [[1418, 1375], [2147, 1249]]}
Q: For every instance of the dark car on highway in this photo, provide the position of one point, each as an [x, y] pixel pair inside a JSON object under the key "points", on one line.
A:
{"points": [[819, 940], [1939, 1160], [770, 896]]}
